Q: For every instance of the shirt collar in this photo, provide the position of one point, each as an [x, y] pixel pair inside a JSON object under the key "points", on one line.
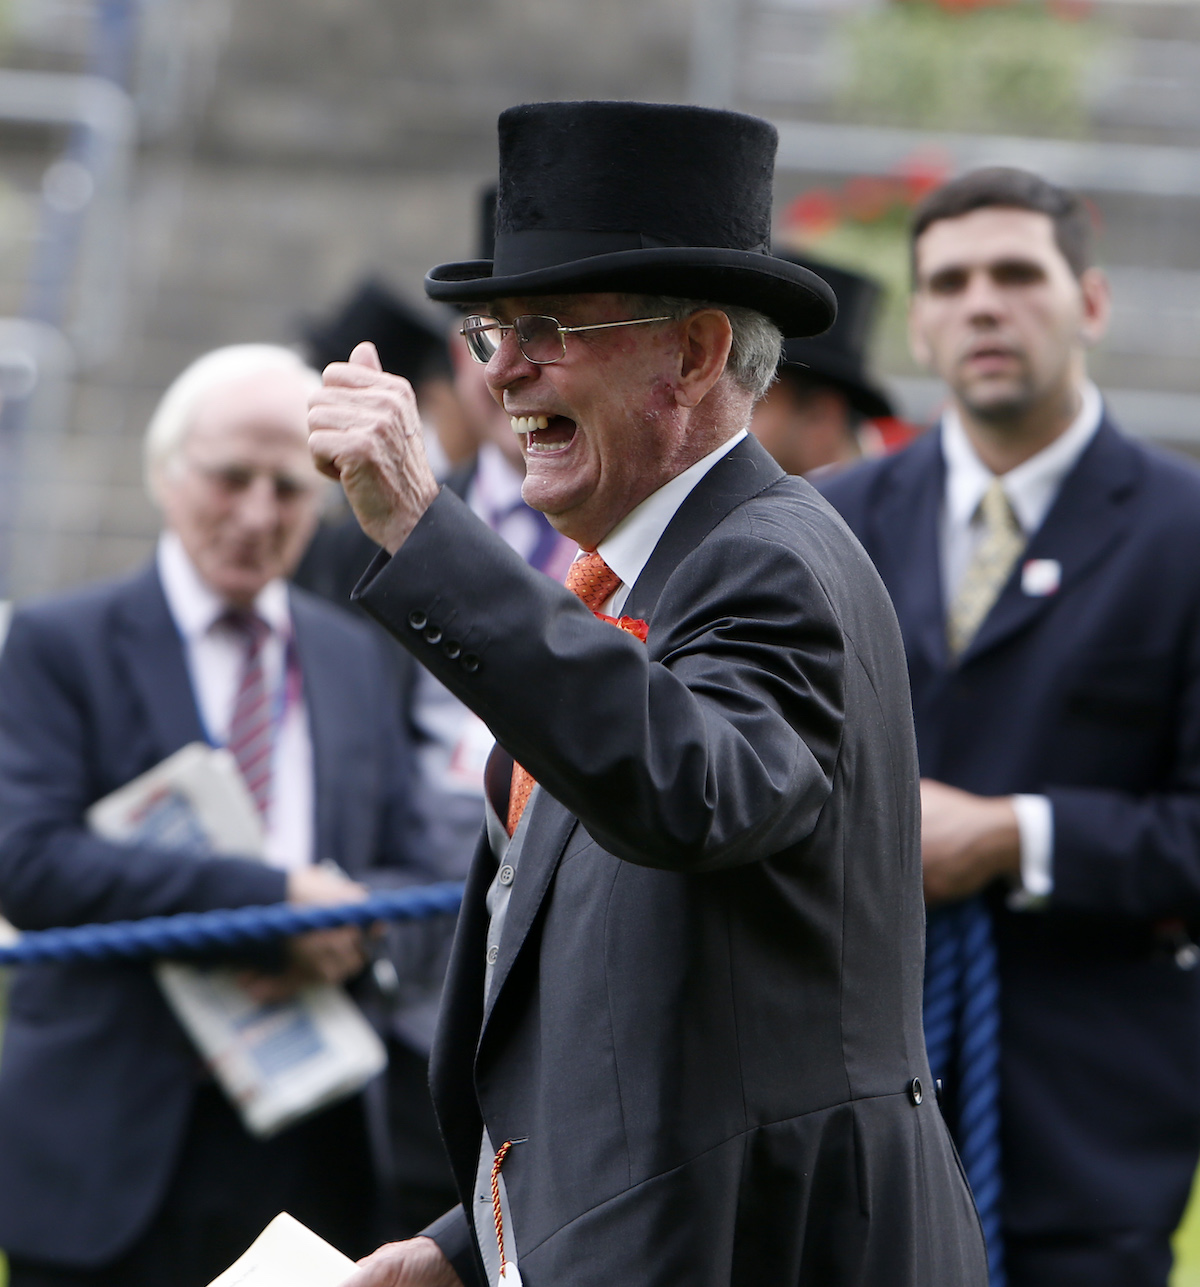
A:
{"points": [[627, 548], [195, 607], [1032, 486]]}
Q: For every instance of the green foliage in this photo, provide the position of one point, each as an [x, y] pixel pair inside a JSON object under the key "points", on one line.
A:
{"points": [[1187, 1245], [1015, 67]]}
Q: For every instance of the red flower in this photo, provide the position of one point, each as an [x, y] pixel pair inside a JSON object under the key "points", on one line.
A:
{"points": [[631, 625], [814, 212], [922, 172], [869, 197]]}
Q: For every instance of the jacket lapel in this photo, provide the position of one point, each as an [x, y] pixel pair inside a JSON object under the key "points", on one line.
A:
{"points": [[904, 543], [1087, 520], [320, 664], [546, 834], [146, 636], [743, 472]]}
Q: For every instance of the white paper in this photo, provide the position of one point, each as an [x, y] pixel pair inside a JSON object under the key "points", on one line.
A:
{"points": [[286, 1254], [195, 801], [277, 1063]]}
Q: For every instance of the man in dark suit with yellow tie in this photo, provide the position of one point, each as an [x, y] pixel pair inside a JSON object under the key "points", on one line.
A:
{"points": [[1044, 571]]}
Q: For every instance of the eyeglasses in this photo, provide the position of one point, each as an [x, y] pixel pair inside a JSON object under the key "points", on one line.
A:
{"points": [[540, 339]]}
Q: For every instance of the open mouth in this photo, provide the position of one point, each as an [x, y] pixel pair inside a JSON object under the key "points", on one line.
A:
{"points": [[544, 435]]}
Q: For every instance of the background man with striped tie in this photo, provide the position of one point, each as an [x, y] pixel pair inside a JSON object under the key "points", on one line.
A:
{"points": [[680, 1041], [1045, 574], [121, 1163]]}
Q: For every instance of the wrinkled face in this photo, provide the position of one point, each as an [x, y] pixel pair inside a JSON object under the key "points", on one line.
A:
{"points": [[242, 494], [998, 313], [601, 429]]}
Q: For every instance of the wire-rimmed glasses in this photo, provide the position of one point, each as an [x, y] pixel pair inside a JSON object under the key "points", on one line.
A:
{"points": [[540, 339]]}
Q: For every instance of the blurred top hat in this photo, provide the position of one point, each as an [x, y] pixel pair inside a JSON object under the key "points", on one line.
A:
{"points": [[839, 357], [410, 343], [649, 198]]}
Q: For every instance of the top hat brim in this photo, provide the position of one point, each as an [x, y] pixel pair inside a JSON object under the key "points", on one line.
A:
{"points": [[816, 362], [798, 301]]}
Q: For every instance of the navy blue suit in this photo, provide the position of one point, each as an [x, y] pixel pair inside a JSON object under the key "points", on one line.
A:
{"points": [[97, 1080], [1090, 696]]}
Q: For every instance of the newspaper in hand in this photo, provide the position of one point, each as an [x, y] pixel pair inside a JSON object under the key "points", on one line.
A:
{"points": [[287, 1254], [276, 1062]]}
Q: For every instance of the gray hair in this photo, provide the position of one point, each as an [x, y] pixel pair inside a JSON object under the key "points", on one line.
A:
{"points": [[172, 419], [757, 341]]}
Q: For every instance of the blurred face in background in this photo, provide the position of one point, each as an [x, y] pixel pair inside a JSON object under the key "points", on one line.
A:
{"points": [[804, 424], [488, 421], [241, 493], [998, 313]]}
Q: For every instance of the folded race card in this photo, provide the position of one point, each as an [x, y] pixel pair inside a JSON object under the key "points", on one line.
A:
{"points": [[286, 1254]]}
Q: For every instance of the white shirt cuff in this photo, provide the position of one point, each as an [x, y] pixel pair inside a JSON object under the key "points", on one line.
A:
{"points": [[1035, 823]]}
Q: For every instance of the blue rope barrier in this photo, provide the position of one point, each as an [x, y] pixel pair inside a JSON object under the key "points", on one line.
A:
{"points": [[201, 931]]}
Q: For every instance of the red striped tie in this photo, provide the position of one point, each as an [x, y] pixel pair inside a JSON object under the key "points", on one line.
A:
{"points": [[251, 731], [594, 582]]}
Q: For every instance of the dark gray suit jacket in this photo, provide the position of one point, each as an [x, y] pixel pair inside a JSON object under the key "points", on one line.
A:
{"points": [[705, 1021]]}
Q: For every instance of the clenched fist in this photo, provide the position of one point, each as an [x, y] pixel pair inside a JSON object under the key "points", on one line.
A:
{"points": [[364, 431]]}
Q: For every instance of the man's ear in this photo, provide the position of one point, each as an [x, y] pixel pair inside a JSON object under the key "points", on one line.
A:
{"points": [[1097, 305], [705, 339]]}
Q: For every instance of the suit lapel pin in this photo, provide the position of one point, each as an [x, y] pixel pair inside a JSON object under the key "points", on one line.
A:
{"points": [[1041, 577]]}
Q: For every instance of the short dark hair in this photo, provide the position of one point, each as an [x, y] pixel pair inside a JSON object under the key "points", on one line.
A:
{"points": [[1016, 189]]}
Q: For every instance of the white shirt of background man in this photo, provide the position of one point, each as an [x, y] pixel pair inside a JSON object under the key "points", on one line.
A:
{"points": [[1031, 489], [215, 658]]}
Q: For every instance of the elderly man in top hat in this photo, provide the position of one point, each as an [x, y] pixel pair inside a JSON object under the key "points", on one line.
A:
{"points": [[681, 1041]]}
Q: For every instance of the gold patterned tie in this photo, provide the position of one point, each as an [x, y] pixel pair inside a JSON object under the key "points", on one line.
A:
{"points": [[593, 581], [990, 567]]}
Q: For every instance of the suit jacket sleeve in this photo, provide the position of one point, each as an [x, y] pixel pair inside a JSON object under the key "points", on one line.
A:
{"points": [[712, 745], [453, 1236], [53, 871], [1131, 852]]}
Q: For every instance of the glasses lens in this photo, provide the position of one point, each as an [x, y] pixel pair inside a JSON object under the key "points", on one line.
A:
{"points": [[540, 338], [483, 336]]}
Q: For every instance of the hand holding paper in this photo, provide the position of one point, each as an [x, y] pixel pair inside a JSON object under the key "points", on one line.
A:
{"points": [[418, 1262], [324, 956]]}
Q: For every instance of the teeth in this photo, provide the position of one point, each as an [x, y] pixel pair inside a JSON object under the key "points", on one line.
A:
{"points": [[527, 424]]}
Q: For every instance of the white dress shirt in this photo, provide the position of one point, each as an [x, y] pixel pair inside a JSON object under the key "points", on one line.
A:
{"points": [[214, 660], [1031, 489]]}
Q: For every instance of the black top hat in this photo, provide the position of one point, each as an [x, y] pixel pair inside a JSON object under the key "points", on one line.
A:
{"points": [[839, 357], [410, 343], [642, 197], [486, 235]]}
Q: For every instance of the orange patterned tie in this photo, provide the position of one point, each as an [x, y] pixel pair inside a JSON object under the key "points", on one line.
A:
{"points": [[594, 582]]}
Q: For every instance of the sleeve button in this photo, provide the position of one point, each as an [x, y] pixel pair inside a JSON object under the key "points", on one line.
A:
{"points": [[417, 619], [433, 635], [469, 662], [453, 649]]}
